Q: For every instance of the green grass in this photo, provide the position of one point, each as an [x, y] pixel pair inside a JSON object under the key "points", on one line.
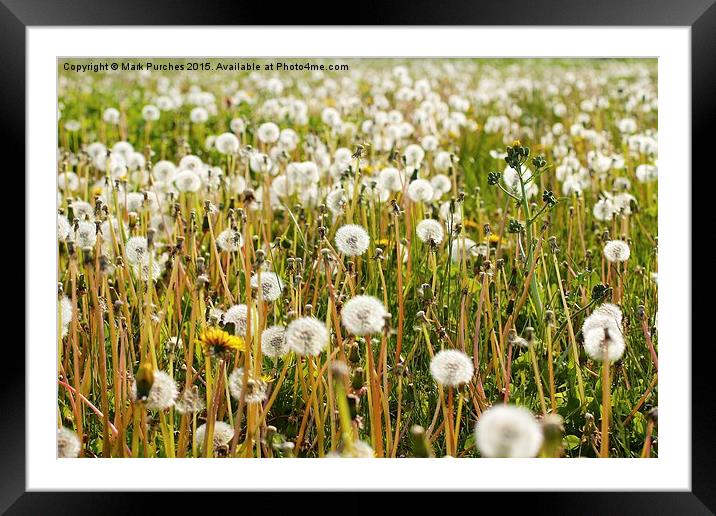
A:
{"points": [[121, 321]]}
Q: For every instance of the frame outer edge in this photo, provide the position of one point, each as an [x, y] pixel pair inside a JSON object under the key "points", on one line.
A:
{"points": [[12, 129]]}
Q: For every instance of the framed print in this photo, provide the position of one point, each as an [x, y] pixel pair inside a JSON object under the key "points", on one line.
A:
{"points": [[278, 247]]}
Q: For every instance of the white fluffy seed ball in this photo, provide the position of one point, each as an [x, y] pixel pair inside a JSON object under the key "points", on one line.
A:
{"points": [[420, 190], [256, 388], [63, 228], [136, 250], [508, 431], [616, 251], [238, 314], [86, 234], [227, 143], [162, 394], [307, 336], [268, 132], [273, 341], [271, 285], [352, 240], [451, 368], [603, 337], [229, 240], [187, 181], [223, 433], [391, 179], [463, 248], [163, 171], [363, 315], [430, 230], [68, 444], [66, 310]]}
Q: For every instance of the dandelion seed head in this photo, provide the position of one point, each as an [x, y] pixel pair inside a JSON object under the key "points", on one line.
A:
{"points": [[647, 173], [429, 143], [442, 161], [261, 163], [146, 271], [136, 162], [150, 112], [63, 228], [508, 431], [391, 179], [363, 315], [135, 201], [164, 171], [211, 176], [136, 249], [336, 201], [191, 162], [413, 155], [111, 116], [463, 248], [441, 185], [602, 332], [238, 314], [187, 181], [307, 336], [420, 190], [451, 368], [229, 240], [604, 341], [268, 132], [199, 115], [96, 149], [238, 125], [68, 444], [86, 234], [256, 388], [68, 181], [604, 209], [162, 394], [227, 143], [623, 202], [430, 230], [73, 126], [190, 402], [616, 251], [511, 179], [66, 310], [271, 285], [273, 341], [352, 240], [358, 449], [223, 433], [82, 210]]}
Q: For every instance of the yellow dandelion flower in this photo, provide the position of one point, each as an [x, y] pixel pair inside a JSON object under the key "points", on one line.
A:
{"points": [[215, 341], [494, 238], [382, 241]]}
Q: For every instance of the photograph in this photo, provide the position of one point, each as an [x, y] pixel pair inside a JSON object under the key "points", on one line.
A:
{"points": [[420, 257]]}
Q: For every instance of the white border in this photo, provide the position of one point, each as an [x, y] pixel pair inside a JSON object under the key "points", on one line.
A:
{"points": [[670, 471]]}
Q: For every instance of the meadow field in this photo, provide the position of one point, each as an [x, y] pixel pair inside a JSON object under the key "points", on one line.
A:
{"points": [[379, 258]]}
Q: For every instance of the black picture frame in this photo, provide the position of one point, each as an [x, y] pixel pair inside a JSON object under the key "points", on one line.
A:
{"points": [[699, 15]]}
